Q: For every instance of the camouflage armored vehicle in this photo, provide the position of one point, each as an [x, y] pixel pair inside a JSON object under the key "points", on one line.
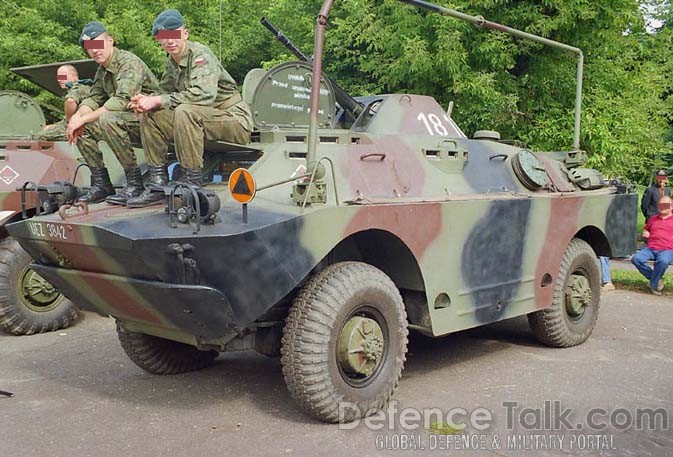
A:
{"points": [[367, 220], [29, 303]]}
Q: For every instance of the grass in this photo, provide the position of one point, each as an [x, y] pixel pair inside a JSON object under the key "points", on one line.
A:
{"points": [[632, 280]]}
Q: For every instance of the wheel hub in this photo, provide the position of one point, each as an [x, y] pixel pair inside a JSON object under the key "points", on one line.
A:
{"points": [[578, 295], [361, 346], [37, 292]]}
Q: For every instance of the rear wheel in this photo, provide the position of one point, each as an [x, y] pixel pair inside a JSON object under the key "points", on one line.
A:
{"points": [[575, 304], [29, 304], [344, 342], [161, 356]]}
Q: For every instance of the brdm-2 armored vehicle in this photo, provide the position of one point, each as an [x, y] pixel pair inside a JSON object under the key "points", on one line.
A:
{"points": [[367, 220]]}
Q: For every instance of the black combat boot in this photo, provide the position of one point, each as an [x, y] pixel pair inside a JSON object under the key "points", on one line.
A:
{"points": [[193, 176], [133, 188], [100, 188], [158, 178]]}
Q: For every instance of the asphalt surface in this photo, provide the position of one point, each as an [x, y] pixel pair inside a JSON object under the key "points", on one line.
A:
{"points": [[76, 394]]}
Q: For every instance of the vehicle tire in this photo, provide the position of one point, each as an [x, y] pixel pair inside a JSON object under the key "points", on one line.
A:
{"points": [[161, 356], [575, 303], [29, 304], [345, 340]]}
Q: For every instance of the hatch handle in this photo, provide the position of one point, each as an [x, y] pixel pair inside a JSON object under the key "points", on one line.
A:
{"points": [[380, 155]]}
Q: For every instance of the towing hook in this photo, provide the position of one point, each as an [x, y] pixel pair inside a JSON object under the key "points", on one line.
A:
{"points": [[82, 206]]}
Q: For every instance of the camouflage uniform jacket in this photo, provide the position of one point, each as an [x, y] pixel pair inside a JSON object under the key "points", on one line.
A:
{"points": [[78, 92], [200, 79], [126, 76]]}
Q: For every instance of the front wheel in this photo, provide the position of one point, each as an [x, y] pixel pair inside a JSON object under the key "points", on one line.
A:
{"points": [[29, 304], [572, 316], [344, 342]]}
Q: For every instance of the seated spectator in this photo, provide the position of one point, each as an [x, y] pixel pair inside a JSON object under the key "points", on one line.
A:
{"points": [[659, 234]]}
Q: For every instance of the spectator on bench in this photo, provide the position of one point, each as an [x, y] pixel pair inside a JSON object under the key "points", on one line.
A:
{"points": [[659, 234]]}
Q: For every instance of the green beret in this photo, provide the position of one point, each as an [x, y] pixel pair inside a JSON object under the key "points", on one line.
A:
{"points": [[167, 20], [90, 31]]}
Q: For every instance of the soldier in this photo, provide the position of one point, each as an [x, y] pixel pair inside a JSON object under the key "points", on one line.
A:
{"points": [[76, 91], [104, 115], [199, 101]]}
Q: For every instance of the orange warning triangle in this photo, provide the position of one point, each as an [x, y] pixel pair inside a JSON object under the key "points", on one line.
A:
{"points": [[242, 185]]}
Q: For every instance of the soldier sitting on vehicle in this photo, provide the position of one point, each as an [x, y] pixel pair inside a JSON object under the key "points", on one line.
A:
{"points": [[76, 91], [659, 233], [104, 116], [198, 102]]}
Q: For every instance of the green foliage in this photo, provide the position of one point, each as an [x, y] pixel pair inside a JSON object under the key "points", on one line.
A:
{"points": [[633, 280], [520, 88]]}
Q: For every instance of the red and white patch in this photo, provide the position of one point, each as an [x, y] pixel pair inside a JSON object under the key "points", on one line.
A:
{"points": [[8, 175], [199, 61]]}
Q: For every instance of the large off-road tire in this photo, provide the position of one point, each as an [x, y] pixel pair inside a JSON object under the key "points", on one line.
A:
{"points": [[29, 304], [575, 303], [345, 340], [161, 356]]}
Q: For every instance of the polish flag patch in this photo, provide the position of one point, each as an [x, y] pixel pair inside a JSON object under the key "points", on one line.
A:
{"points": [[199, 61]]}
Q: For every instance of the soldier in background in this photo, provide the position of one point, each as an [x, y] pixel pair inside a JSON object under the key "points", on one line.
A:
{"points": [[648, 204], [104, 116], [198, 102], [76, 91]]}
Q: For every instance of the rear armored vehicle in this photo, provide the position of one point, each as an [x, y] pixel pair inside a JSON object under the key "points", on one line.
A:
{"points": [[342, 225], [48, 173]]}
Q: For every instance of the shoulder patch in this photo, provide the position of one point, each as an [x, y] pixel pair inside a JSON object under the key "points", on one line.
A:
{"points": [[199, 61]]}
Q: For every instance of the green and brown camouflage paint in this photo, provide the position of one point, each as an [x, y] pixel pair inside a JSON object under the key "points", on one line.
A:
{"points": [[444, 216]]}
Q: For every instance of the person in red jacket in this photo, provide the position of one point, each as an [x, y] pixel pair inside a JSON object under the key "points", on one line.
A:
{"points": [[659, 234]]}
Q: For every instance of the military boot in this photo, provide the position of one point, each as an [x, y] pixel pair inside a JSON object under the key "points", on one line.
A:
{"points": [[133, 188], [100, 187], [193, 176], [158, 177]]}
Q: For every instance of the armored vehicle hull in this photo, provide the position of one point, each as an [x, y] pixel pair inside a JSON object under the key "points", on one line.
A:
{"points": [[365, 222]]}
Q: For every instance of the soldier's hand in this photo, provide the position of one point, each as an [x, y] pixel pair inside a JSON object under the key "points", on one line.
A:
{"points": [[75, 128], [133, 103], [144, 103]]}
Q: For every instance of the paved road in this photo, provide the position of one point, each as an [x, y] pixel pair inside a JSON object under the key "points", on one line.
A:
{"points": [[76, 394]]}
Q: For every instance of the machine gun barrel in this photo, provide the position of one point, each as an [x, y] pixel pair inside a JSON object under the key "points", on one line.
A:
{"points": [[351, 107], [284, 40]]}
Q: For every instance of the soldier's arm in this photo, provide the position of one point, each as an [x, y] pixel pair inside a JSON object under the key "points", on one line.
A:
{"points": [[97, 96], [129, 83], [69, 107], [203, 84]]}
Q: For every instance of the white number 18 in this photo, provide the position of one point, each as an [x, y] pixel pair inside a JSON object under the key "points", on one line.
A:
{"points": [[433, 124]]}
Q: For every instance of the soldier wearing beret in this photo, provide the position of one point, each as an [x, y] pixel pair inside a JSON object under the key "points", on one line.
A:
{"points": [[198, 102], [77, 90], [104, 115]]}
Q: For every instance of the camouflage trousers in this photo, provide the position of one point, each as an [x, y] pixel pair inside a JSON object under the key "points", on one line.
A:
{"points": [[120, 130], [53, 132], [189, 126]]}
